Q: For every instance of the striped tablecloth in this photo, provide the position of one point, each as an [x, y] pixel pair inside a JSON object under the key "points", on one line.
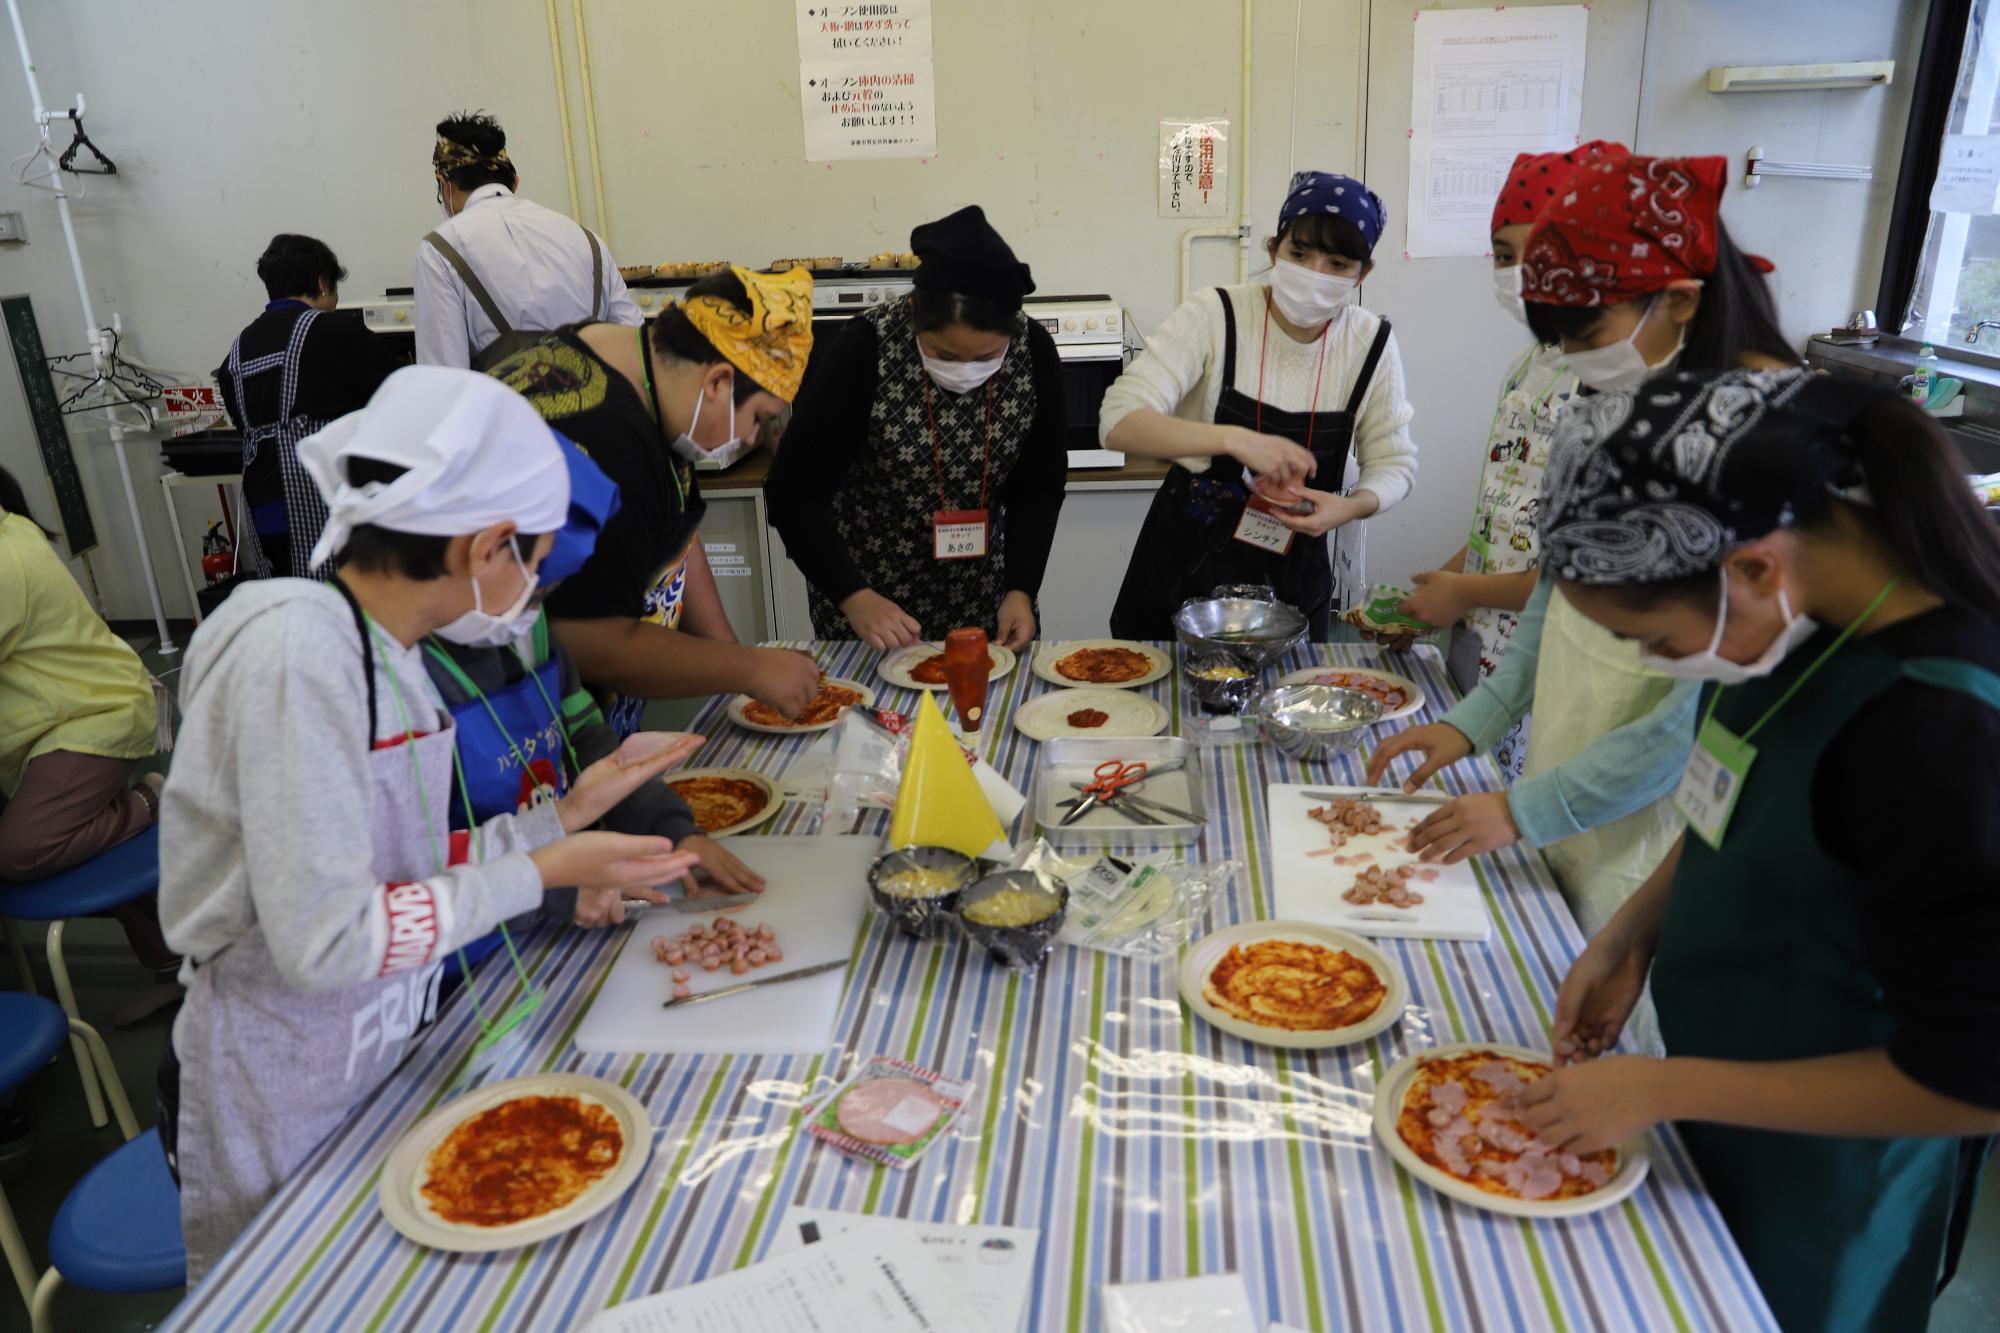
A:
{"points": [[1141, 1143]]}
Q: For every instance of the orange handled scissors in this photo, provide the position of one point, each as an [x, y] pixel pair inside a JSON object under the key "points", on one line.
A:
{"points": [[1107, 780]]}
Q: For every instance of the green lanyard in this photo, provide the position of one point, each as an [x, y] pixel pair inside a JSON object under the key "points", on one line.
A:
{"points": [[660, 420], [1807, 674], [491, 1032], [466, 683]]}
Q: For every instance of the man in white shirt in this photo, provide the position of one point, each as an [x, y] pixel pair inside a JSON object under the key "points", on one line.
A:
{"points": [[532, 266]]}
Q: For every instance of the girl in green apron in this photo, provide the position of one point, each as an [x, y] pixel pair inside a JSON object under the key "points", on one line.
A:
{"points": [[1824, 943]]}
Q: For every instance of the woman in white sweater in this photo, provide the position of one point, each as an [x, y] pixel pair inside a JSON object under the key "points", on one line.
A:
{"points": [[1293, 382]]}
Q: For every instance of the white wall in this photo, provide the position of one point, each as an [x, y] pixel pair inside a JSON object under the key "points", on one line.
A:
{"points": [[234, 119]]}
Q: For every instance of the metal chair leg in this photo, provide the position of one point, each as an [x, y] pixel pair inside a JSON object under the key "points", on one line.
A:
{"points": [[18, 954], [66, 995], [16, 1250], [107, 1074], [45, 1296]]}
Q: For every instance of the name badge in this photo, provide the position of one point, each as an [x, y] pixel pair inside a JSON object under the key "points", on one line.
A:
{"points": [[959, 534], [1716, 770], [1257, 528]]}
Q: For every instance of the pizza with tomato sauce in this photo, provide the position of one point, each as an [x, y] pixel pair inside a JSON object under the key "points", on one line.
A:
{"points": [[1294, 985], [719, 802], [1103, 666], [527, 1158], [831, 701], [1460, 1115]]}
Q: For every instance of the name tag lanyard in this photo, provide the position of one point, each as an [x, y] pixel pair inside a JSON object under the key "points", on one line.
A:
{"points": [[491, 1031], [1721, 760], [959, 534], [1256, 527]]}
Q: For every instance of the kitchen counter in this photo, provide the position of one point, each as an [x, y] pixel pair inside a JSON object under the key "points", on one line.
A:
{"points": [[750, 472]]}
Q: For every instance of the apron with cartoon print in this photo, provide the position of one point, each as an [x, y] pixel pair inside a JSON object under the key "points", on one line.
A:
{"points": [[1503, 539], [268, 1071]]}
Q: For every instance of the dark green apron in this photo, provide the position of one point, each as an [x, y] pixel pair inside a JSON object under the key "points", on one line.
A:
{"points": [[1762, 956]]}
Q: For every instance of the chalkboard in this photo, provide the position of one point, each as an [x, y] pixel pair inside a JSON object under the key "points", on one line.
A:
{"points": [[24, 335]]}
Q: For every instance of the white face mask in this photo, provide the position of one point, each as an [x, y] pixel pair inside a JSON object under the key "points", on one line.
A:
{"points": [[1307, 297], [478, 629], [1621, 365], [1711, 665], [1507, 291], [685, 445], [961, 376]]}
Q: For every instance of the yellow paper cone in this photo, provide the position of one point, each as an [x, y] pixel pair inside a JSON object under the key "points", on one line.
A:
{"points": [[940, 803]]}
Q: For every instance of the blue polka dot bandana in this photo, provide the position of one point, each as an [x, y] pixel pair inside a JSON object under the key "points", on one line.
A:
{"points": [[1343, 196]]}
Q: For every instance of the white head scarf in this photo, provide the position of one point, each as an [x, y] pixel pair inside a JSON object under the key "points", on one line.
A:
{"points": [[477, 452]]}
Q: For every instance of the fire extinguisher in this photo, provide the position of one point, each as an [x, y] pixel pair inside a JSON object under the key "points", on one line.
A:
{"points": [[218, 557]]}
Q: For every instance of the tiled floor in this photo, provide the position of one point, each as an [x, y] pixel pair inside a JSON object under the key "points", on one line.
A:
{"points": [[65, 1147]]}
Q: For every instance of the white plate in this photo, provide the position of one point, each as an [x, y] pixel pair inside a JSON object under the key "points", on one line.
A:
{"points": [[772, 799], [1046, 716], [398, 1190], [895, 667], [1633, 1159], [742, 701], [1316, 675], [1050, 654], [1205, 953]]}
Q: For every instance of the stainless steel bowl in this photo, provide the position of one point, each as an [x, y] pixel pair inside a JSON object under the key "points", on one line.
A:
{"points": [[1257, 629], [1222, 682], [1315, 721]]}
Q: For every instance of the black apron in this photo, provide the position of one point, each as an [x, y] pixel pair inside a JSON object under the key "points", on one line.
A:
{"points": [[1187, 546]]}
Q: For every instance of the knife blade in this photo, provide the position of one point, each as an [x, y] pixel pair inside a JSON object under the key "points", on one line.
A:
{"points": [[1388, 794], [738, 989]]}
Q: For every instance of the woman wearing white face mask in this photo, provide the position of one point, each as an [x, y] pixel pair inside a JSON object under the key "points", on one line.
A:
{"points": [[1488, 580], [1631, 252], [922, 473], [1283, 405], [643, 618], [1824, 945]]}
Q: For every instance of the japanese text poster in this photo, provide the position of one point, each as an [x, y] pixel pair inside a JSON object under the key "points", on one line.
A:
{"points": [[866, 87], [1194, 168]]}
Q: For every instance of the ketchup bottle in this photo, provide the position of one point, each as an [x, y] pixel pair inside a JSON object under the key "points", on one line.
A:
{"points": [[967, 664]]}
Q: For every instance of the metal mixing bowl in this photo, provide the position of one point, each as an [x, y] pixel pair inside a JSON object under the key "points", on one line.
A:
{"points": [[1258, 629], [1214, 688], [1315, 721]]}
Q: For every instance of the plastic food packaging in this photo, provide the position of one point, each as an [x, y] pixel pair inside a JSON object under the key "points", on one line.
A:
{"points": [[887, 1111], [1014, 916], [1218, 1303], [1144, 906], [1377, 614]]}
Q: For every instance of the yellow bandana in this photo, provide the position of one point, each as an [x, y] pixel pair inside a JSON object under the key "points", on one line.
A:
{"points": [[770, 344]]}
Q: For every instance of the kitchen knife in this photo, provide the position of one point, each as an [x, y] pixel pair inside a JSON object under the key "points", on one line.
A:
{"points": [[753, 985], [1387, 794]]}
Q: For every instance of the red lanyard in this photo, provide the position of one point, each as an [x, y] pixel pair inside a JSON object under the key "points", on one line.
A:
{"points": [[1312, 416], [937, 454]]}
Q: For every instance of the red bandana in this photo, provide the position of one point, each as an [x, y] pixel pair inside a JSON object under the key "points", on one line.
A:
{"points": [[1535, 179], [1624, 228]]}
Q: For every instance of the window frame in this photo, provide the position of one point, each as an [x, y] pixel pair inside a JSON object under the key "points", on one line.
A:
{"points": [[1932, 97]]}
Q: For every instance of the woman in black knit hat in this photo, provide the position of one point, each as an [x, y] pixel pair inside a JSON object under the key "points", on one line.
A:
{"points": [[919, 482]]}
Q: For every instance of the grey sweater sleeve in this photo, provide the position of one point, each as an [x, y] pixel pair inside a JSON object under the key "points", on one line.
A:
{"points": [[267, 819]]}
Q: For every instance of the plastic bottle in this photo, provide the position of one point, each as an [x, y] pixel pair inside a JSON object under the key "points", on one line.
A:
{"points": [[1926, 375]]}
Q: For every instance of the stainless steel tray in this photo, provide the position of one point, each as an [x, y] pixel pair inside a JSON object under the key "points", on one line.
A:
{"points": [[1070, 760]]}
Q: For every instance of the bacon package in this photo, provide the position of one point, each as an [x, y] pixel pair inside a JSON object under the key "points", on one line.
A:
{"points": [[888, 1111]]}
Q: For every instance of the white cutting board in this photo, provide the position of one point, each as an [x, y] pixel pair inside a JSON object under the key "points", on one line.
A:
{"points": [[814, 899], [1308, 888]]}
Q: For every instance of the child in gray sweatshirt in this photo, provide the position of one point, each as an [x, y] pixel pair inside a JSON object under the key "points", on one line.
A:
{"points": [[307, 869]]}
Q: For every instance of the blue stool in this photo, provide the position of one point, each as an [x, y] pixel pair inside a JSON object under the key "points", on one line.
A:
{"points": [[112, 878], [118, 1231], [34, 1029]]}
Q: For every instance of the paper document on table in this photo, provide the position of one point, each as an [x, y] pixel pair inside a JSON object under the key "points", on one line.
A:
{"points": [[993, 1268], [1487, 84], [864, 1280]]}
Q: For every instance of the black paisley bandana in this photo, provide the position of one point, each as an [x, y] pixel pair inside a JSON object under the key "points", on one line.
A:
{"points": [[1659, 482]]}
